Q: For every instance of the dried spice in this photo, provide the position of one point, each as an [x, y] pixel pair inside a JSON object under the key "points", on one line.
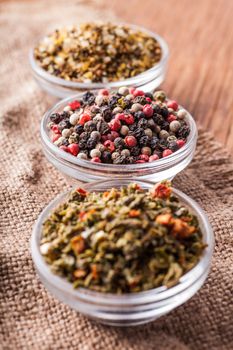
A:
{"points": [[122, 240], [106, 129], [97, 52]]}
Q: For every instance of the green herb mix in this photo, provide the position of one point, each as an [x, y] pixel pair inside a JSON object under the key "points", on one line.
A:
{"points": [[122, 241]]}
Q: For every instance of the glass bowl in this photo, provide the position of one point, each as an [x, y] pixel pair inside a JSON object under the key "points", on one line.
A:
{"points": [[127, 309], [80, 171], [147, 81]]}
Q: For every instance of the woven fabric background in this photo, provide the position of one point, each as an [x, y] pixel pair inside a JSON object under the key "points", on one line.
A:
{"points": [[30, 318]]}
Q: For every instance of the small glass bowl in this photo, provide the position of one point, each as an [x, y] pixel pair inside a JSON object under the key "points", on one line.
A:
{"points": [[127, 309], [147, 81], [80, 171]]}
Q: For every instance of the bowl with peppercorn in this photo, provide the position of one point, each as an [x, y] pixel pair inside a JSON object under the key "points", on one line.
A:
{"points": [[94, 56], [123, 253], [126, 133]]}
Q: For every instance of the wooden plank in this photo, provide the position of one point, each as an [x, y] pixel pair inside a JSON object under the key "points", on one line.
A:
{"points": [[200, 37]]}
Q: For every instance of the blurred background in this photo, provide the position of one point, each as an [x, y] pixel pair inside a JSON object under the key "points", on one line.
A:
{"points": [[199, 34]]}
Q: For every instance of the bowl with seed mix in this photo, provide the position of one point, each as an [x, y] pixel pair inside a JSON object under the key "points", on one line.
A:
{"points": [[98, 55], [123, 253], [126, 133]]}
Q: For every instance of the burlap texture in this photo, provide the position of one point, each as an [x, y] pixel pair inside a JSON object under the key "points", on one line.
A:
{"points": [[30, 317]]}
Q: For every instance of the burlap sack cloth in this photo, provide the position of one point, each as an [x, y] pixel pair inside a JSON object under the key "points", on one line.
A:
{"points": [[30, 317]]}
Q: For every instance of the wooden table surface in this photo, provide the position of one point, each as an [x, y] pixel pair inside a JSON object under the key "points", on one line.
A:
{"points": [[200, 36]]}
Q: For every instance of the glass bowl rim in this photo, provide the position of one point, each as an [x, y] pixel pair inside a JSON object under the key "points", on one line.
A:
{"points": [[102, 166], [129, 81], [161, 293]]}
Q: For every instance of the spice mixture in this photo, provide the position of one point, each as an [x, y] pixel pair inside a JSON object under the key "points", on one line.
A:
{"points": [[122, 241], [97, 53], [125, 127]]}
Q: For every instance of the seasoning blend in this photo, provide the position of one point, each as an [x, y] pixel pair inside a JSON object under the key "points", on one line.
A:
{"points": [[99, 53], [122, 240], [123, 127]]}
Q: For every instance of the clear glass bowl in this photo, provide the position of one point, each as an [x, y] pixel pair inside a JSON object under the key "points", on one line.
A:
{"points": [[127, 309], [80, 171], [147, 81]]}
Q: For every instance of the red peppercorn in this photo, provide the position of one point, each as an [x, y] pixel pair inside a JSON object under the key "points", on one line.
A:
{"points": [[144, 157], [140, 161], [180, 143], [109, 145], [148, 99], [130, 141], [96, 160], [104, 138], [129, 119], [167, 152], [115, 124], [172, 104], [153, 157], [138, 93], [84, 118], [171, 118], [55, 130], [148, 110], [81, 191], [112, 136], [120, 116], [74, 105], [73, 148], [64, 148], [55, 137], [104, 92]]}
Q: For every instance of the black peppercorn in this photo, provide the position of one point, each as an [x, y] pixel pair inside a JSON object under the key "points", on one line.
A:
{"points": [[113, 101], [135, 151], [91, 143], [88, 98], [142, 123], [106, 113], [64, 124], [139, 115], [102, 127], [139, 132], [55, 118], [172, 145], [90, 126], [79, 129], [183, 132], [164, 112], [106, 157], [153, 142], [148, 94], [119, 143], [156, 109], [144, 141], [140, 99]]}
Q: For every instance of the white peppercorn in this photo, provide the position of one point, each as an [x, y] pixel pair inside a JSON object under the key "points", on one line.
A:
{"points": [[123, 90], [124, 130], [66, 132], [95, 153], [148, 132], [174, 126], [163, 134], [74, 118], [136, 107], [146, 150], [181, 114], [125, 152], [82, 156]]}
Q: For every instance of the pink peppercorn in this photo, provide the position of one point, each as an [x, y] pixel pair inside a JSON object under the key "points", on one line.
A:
{"points": [[171, 118], [148, 99], [109, 145], [73, 148], [172, 104], [129, 119], [84, 118], [104, 92], [115, 124], [167, 152], [55, 130], [138, 93], [147, 110], [74, 105], [96, 160], [140, 161], [131, 90], [180, 143], [153, 157], [130, 141], [144, 157]]}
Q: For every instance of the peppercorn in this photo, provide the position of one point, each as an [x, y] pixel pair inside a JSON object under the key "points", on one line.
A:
{"points": [[106, 113], [55, 118], [143, 123], [119, 143], [123, 91], [144, 141], [139, 132], [130, 141], [154, 141], [183, 132], [90, 126], [88, 98], [164, 112], [95, 153], [172, 145], [64, 124], [95, 135], [135, 151], [160, 95], [146, 150], [91, 143], [141, 100], [139, 115], [102, 127]]}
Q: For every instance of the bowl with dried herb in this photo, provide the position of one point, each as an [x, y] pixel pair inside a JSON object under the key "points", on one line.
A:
{"points": [[121, 252], [125, 133], [98, 55]]}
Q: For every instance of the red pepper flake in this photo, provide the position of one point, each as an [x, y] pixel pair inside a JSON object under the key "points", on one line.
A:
{"points": [[78, 244], [161, 190], [134, 213], [81, 191]]}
